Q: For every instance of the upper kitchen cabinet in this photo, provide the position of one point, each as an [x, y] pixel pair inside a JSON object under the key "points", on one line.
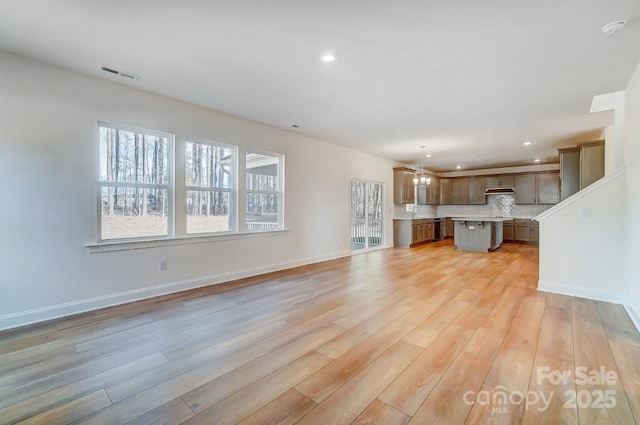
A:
{"points": [[569, 172], [548, 188], [591, 162], [500, 182], [403, 192], [459, 191], [468, 191], [430, 194], [476, 191], [445, 191], [526, 189], [538, 188]]}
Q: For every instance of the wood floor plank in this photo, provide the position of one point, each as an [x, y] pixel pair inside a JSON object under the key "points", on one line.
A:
{"points": [[352, 399], [323, 383], [435, 324], [415, 383], [446, 403], [48, 400], [593, 352], [71, 411], [380, 413], [554, 355], [174, 412], [251, 398], [284, 410]]}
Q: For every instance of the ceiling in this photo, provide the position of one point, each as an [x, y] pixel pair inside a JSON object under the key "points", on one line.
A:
{"points": [[469, 80]]}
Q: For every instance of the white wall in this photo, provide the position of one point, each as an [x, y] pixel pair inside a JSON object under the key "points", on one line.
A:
{"points": [[48, 169], [584, 256], [632, 211]]}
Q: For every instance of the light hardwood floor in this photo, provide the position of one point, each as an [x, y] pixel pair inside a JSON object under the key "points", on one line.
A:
{"points": [[422, 336]]}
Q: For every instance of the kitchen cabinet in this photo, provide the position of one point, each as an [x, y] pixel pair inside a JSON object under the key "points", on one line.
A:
{"points": [[468, 191], [476, 191], [430, 194], [526, 230], [449, 227], [537, 188], [507, 230], [525, 189], [407, 233], [403, 188], [459, 191], [591, 162], [569, 171], [548, 188], [445, 191], [500, 181]]}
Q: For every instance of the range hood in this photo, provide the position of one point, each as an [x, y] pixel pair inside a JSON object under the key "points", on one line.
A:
{"points": [[499, 191]]}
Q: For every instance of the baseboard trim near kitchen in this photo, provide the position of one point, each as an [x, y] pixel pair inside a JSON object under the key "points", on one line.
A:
{"points": [[633, 315], [29, 317], [573, 291]]}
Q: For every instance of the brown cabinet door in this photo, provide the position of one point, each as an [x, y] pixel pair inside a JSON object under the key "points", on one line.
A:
{"points": [[507, 180], [591, 163], [526, 189], [523, 233], [569, 172], [548, 188], [407, 188], [476, 191], [403, 185], [434, 191], [459, 191], [421, 191], [450, 229], [445, 191], [507, 232], [492, 181]]}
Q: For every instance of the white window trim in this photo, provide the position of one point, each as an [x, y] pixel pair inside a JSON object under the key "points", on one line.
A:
{"points": [[169, 186]]}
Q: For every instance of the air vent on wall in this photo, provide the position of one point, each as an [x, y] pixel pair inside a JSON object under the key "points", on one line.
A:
{"points": [[120, 73]]}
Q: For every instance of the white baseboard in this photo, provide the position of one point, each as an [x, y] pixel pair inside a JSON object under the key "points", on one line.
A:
{"points": [[592, 294], [633, 315], [29, 317]]}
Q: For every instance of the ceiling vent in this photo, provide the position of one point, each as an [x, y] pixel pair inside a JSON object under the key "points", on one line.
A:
{"points": [[120, 73]]}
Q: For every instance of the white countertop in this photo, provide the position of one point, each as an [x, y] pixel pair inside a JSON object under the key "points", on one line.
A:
{"points": [[494, 219]]}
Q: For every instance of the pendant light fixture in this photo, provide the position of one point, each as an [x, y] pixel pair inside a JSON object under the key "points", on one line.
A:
{"points": [[422, 180]]}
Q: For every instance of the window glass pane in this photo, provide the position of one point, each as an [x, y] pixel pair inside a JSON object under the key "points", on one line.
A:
{"points": [[132, 212], [207, 211], [262, 211], [207, 165], [131, 157], [262, 172]]}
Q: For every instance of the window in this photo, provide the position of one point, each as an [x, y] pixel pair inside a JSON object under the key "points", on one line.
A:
{"points": [[209, 180], [264, 172], [134, 183]]}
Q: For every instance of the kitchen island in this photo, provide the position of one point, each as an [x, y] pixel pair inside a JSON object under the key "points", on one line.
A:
{"points": [[481, 234]]}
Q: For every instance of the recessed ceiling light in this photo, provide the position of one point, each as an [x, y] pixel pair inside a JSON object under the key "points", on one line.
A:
{"points": [[527, 143], [459, 167], [613, 27], [428, 155], [328, 57], [536, 160]]}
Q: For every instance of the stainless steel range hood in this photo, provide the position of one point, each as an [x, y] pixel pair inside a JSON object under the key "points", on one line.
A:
{"points": [[499, 191]]}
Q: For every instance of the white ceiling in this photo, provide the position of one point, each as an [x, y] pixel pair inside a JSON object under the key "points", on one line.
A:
{"points": [[470, 80]]}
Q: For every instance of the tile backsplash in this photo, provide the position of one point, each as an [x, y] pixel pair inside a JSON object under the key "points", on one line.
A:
{"points": [[497, 205]]}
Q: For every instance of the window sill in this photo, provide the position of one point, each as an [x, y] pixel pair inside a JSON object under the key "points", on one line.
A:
{"points": [[186, 240]]}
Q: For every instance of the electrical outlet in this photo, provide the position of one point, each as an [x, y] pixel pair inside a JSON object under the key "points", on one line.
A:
{"points": [[162, 265]]}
